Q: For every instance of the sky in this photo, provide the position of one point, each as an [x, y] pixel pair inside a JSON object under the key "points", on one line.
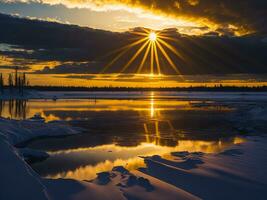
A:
{"points": [[237, 17], [110, 16], [81, 42]]}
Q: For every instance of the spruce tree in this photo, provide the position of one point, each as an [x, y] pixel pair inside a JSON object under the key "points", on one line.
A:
{"points": [[1, 84], [16, 76]]}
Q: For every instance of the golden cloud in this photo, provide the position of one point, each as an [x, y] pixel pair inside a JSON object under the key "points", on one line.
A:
{"points": [[246, 15]]}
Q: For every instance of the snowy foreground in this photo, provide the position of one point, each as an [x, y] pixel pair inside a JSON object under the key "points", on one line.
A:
{"points": [[237, 173], [19, 181]]}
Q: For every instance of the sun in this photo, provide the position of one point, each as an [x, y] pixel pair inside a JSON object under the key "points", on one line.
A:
{"points": [[154, 48], [152, 37]]}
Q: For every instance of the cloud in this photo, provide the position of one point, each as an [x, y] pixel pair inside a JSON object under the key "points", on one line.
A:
{"points": [[85, 51], [237, 17], [122, 77], [193, 2], [72, 68], [14, 67]]}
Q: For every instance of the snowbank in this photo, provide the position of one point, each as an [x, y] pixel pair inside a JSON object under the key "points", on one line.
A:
{"points": [[234, 174], [119, 184], [31, 155], [18, 180], [15, 131]]}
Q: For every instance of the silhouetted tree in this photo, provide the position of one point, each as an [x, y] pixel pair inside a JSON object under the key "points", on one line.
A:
{"points": [[10, 82], [22, 82], [1, 83], [19, 86], [24, 79], [16, 76]]}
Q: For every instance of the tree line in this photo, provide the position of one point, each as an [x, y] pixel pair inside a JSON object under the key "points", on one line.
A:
{"points": [[16, 82], [216, 88]]}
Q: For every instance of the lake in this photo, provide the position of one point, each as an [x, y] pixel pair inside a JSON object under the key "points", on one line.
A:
{"points": [[119, 132]]}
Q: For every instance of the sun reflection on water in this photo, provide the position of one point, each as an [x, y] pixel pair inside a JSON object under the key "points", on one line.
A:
{"points": [[152, 109], [154, 126], [21, 109]]}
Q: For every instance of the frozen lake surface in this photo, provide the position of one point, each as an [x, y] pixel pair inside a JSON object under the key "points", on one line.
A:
{"points": [[118, 131], [177, 142]]}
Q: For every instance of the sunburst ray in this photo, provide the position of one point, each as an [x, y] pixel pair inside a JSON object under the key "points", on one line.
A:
{"points": [[170, 47], [144, 59], [155, 45], [122, 51], [157, 58], [134, 56], [168, 58], [152, 59]]}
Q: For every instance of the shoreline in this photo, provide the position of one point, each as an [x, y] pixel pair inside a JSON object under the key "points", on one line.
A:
{"points": [[138, 95]]}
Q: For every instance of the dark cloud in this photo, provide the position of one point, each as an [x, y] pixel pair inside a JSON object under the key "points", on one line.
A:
{"points": [[87, 51], [212, 34], [15, 67], [235, 16], [238, 15], [72, 68]]}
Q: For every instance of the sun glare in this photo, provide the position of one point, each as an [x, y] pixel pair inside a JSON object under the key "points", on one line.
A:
{"points": [[152, 37], [153, 49]]}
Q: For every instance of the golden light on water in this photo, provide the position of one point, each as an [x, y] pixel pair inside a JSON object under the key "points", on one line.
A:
{"points": [[156, 130], [129, 155], [152, 108]]}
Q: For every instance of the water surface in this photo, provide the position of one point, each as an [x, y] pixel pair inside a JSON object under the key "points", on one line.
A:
{"points": [[117, 132]]}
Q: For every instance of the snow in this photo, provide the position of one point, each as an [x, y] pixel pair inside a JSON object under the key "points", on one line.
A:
{"points": [[17, 132], [237, 173], [31, 155], [18, 180], [228, 175]]}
